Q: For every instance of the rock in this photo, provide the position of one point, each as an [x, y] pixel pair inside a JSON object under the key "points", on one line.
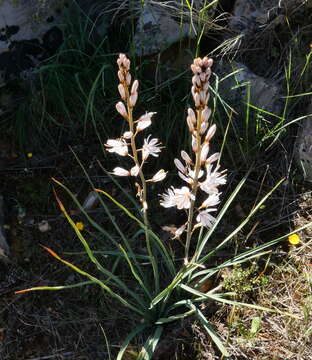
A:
{"points": [[28, 34], [303, 146], [161, 25], [264, 93]]}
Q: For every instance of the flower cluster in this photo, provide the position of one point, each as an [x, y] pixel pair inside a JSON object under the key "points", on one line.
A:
{"points": [[126, 145], [201, 170]]}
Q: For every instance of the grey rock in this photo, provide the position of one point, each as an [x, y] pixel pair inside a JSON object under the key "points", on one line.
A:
{"points": [[164, 23], [264, 93]]}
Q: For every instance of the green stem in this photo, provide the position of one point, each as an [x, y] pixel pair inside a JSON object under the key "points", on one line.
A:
{"points": [[144, 192]]}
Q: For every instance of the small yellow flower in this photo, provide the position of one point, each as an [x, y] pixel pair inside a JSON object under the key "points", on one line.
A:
{"points": [[80, 225], [294, 239], [30, 155]]}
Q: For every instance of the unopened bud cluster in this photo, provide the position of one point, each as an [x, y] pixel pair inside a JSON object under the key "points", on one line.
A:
{"points": [[198, 170], [127, 145]]}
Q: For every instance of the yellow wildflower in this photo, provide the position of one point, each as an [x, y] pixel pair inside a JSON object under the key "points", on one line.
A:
{"points": [[80, 225], [294, 239], [30, 155]]}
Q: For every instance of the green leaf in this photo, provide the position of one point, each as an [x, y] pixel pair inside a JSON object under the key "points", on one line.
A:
{"points": [[150, 345], [133, 334], [205, 324]]}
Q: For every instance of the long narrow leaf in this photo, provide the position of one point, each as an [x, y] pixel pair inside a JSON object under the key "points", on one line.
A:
{"points": [[205, 324], [150, 345], [133, 334]]}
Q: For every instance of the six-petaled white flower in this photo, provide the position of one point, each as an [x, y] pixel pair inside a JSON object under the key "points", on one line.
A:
{"points": [[118, 146], [213, 180], [205, 219], [150, 147]]}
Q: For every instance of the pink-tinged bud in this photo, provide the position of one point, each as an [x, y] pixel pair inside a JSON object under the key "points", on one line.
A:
{"points": [[192, 116], [194, 143], [135, 170], [127, 64], [197, 100], [186, 157], [121, 90], [202, 77], [190, 124], [159, 176], [203, 127], [196, 80], [127, 135], [121, 172], [198, 61], [204, 153], [207, 62], [121, 76], [133, 99], [120, 107], [213, 158], [206, 114], [135, 86], [203, 97], [180, 166], [210, 132], [120, 59], [128, 79]]}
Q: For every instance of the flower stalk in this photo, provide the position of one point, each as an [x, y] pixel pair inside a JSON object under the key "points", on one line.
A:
{"points": [[127, 146], [201, 175]]}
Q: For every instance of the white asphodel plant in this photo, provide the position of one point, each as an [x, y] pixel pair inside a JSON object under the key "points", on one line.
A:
{"points": [[198, 170], [177, 288]]}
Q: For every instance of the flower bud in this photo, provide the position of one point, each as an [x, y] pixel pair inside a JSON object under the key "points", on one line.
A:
{"points": [[211, 132], [120, 107], [128, 79], [192, 116], [121, 90], [121, 172], [135, 170], [133, 99], [206, 114], [121, 76], [185, 157], [135, 86], [204, 153]]}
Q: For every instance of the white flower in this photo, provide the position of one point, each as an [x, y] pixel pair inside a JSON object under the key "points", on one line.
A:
{"points": [[150, 147], [183, 198], [205, 219], [212, 200], [189, 177], [135, 170], [213, 180], [145, 121], [159, 176], [180, 166], [168, 200], [118, 146], [121, 172], [204, 152]]}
